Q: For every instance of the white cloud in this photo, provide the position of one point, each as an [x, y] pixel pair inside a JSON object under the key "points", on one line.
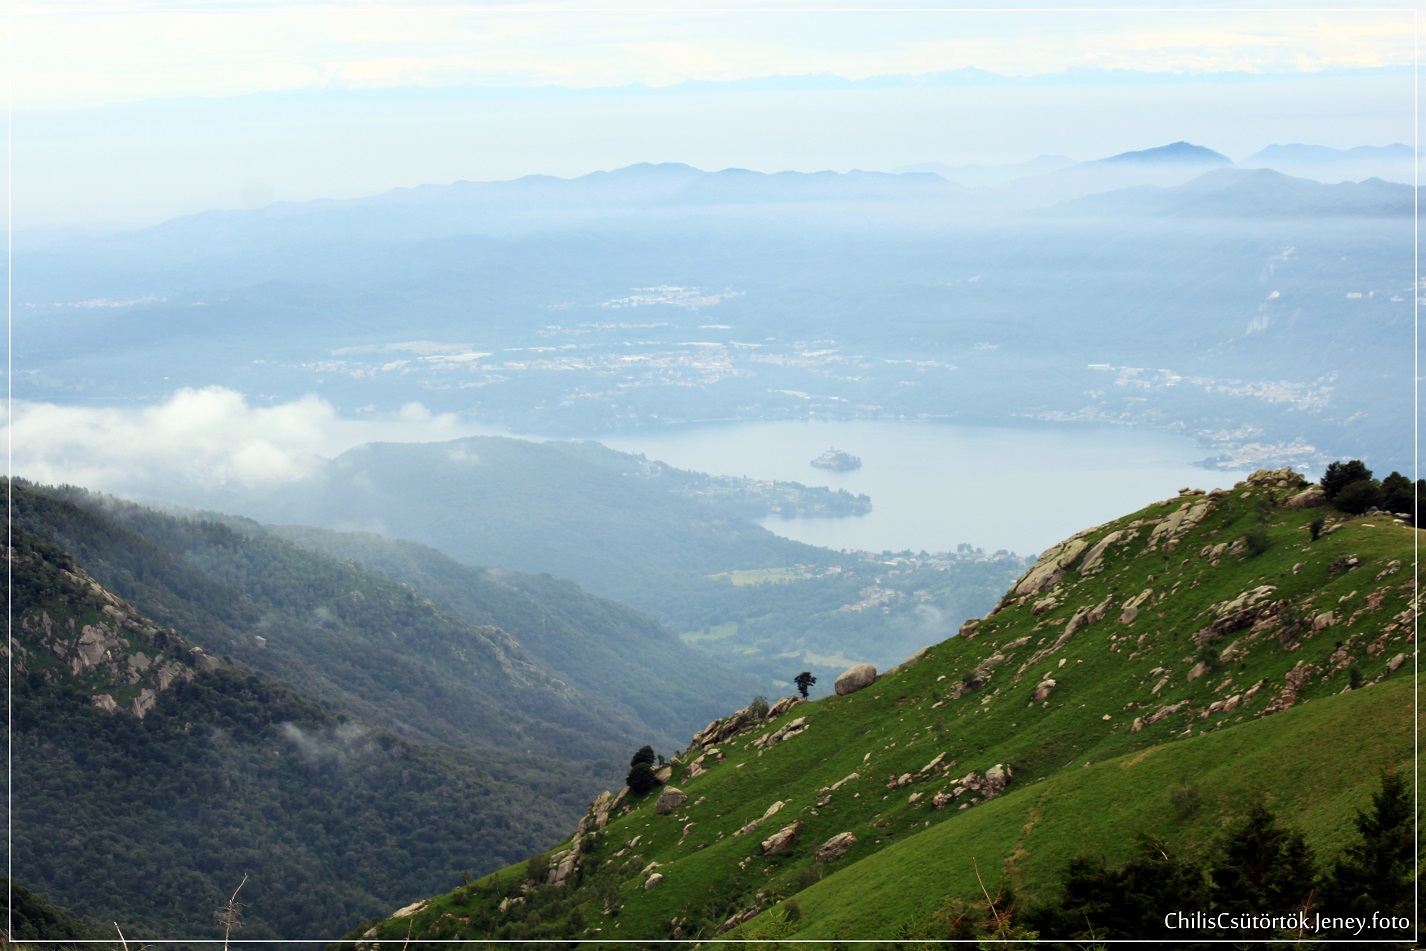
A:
{"points": [[202, 439], [67, 57]]}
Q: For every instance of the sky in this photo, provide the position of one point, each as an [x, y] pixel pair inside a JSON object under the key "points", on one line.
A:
{"points": [[123, 115]]}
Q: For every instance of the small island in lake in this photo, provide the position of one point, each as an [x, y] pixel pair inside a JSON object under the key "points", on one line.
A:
{"points": [[837, 459]]}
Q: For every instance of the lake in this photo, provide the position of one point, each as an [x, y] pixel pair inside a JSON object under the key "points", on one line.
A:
{"points": [[936, 485]]}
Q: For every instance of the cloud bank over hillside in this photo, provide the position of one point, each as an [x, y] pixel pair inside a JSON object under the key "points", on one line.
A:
{"points": [[211, 437]]}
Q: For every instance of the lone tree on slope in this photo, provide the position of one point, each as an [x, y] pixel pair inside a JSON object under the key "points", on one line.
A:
{"points": [[641, 776], [803, 681]]}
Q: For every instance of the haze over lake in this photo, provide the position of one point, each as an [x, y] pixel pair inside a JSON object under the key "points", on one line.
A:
{"points": [[937, 485]]}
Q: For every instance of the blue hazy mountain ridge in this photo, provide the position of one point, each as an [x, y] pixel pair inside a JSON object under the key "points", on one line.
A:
{"points": [[1171, 164], [1393, 163], [1009, 304], [1175, 153], [1253, 193], [256, 246], [978, 175]]}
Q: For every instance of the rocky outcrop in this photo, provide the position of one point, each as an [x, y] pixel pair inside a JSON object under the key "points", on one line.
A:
{"points": [[782, 840], [670, 799], [911, 661], [1131, 607], [700, 765], [563, 865], [791, 728], [1309, 498], [1050, 567], [751, 827], [1237, 614], [143, 703], [1094, 560], [981, 787], [653, 880], [102, 642], [855, 678], [782, 706], [835, 847], [1157, 715], [1173, 527], [599, 809], [720, 731], [1284, 478]]}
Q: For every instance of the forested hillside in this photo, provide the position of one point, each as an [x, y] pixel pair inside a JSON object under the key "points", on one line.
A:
{"points": [[381, 649], [603, 648], [149, 776]]}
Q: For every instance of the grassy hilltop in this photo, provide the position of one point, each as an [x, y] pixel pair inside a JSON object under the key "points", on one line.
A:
{"points": [[1158, 674]]}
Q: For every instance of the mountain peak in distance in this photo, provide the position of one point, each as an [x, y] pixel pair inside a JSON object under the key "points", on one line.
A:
{"points": [[1176, 153]]}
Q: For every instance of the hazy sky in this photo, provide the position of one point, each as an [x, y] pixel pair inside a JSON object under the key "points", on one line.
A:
{"points": [[127, 114]]}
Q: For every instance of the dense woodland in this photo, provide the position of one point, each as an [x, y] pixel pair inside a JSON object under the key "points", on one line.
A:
{"points": [[364, 719]]}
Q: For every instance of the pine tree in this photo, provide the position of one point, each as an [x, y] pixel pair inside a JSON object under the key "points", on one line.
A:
{"points": [[1264, 869], [1376, 872], [1339, 475]]}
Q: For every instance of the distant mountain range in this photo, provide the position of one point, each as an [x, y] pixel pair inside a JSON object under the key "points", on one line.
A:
{"points": [[1392, 163], [544, 284], [1254, 193]]}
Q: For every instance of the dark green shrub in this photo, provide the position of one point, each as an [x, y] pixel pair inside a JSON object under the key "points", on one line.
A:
{"points": [[1356, 497], [1184, 800], [1256, 541], [538, 867], [1398, 495], [641, 778]]}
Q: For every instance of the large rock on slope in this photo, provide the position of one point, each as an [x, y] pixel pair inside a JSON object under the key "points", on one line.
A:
{"points": [[670, 799], [782, 839], [835, 847], [855, 678]]}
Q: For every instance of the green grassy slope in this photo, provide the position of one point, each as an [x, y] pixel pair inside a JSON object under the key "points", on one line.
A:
{"points": [[1025, 837], [1229, 677]]}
